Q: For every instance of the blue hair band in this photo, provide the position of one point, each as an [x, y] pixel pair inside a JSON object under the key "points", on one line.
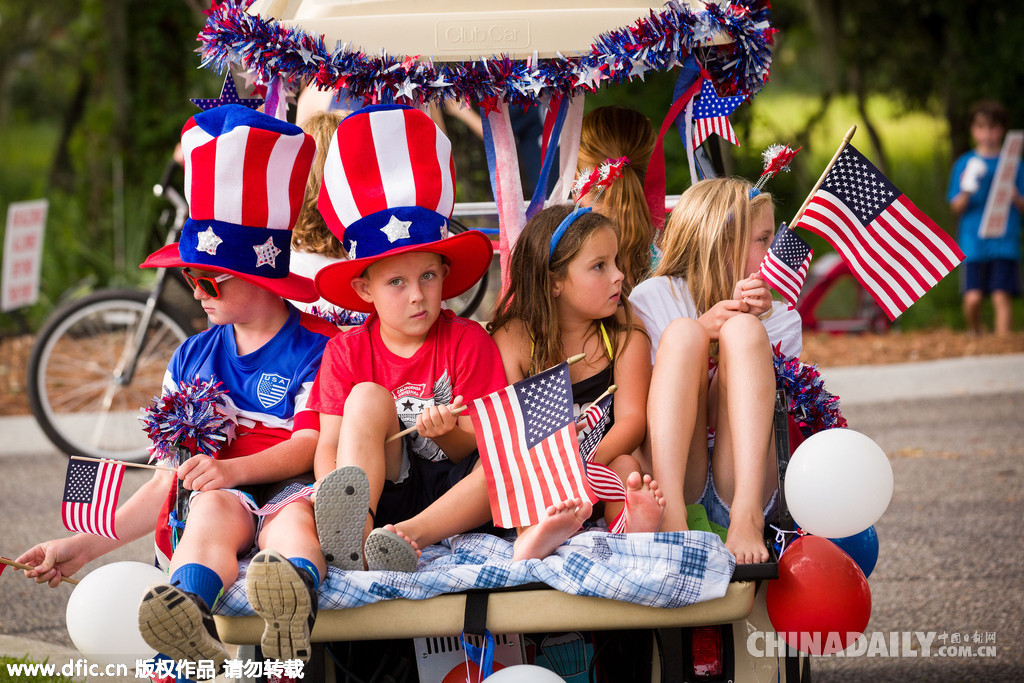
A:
{"points": [[754, 192], [563, 226]]}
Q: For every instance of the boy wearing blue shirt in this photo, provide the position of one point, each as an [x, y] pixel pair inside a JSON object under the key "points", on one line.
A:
{"points": [[245, 175], [991, 264]]}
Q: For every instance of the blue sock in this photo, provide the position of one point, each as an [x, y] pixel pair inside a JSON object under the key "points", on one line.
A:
{"points": [[198, 579], [303, 563]]}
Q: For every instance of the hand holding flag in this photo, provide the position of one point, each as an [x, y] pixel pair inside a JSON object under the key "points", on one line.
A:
{"points": [[785, 265]]}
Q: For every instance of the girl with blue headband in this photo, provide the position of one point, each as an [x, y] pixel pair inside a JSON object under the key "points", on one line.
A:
{"points": [[565, 298]]}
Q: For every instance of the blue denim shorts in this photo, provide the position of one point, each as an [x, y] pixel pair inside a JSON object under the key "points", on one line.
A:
{"points": [[718, 510], [997, 275]]}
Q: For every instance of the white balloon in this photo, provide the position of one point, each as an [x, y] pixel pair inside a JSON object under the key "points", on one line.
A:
{"points": [[103, 612], [524, 673], [839, 483]]}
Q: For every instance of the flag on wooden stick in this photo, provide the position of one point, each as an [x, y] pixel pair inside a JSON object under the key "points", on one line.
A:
{"points": [[894, 250], [91, 488], [527, 440]]}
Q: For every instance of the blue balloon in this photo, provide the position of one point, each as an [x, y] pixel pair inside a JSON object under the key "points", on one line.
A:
{"points": [[862, 547]]}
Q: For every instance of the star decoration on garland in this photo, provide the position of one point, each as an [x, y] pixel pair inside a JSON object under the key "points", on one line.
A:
{"points": [[209, 241], [266, 253], [711, 114], [396, 229], [228, 95]]}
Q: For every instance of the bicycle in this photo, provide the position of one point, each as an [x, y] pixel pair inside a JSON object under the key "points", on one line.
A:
{"points": [[99, 358]]}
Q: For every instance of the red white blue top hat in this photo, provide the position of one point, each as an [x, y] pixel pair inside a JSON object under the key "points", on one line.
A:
{"points": [[245, 176], [389, 188]]}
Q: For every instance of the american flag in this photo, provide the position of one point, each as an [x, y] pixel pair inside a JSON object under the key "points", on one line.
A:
{"points": [[711, 114], [895, 251], [785, 265], [605, 483], [91, 489], [527, 440]]}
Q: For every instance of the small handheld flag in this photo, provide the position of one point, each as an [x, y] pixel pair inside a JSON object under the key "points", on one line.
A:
{"points": [[527, 440], [895, 251], [711, 114], [785, 265], [91, 489]]}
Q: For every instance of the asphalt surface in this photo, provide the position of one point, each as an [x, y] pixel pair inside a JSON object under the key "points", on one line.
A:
{"points": [[950, 556]]}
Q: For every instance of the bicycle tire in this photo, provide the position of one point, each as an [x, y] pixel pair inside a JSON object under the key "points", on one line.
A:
{"points": [[72, 365]]}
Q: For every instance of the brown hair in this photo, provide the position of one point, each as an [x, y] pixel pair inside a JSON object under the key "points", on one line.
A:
{"points": [[611, 132], [706, 238], [991, 110], [532, 277], [311, 232]]}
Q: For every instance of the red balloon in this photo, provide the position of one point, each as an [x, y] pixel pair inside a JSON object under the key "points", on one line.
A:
{"points": [[820, 603], [467, 672]]}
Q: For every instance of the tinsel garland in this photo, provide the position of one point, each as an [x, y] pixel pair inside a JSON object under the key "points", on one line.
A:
{"points": [[810, 404], [195, 417], [339, 316], [655, 43]]}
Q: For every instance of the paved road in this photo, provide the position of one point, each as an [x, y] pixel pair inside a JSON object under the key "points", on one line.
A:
{"points": [[950, 559]]}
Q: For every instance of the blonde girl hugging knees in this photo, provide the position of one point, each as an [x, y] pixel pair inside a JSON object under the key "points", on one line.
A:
{"points": [[712, 324]]}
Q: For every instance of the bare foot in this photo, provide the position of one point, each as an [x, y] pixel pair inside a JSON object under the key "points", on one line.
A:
{"points": [[645, 504], [745, 539], [405, 537], [559, 523]]}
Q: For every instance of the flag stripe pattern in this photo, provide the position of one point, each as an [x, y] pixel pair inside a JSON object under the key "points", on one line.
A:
{"points": [[894, 250], [417, 170], [605, 483], [221, 174], [786, 263], [527, 440], [711, 114], [285, 496], [91, 489]]}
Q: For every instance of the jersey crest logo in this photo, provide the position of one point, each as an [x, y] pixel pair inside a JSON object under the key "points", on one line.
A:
{"points": [[271, 389]]}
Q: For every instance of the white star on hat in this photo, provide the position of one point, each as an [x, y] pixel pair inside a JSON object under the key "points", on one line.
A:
{"points": [[266, 253], [352, 250], [209, 241], [396, 229]]}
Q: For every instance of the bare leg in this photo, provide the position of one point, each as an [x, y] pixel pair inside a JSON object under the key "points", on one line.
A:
{"points": [[292, 532], [645, 504], [559, 523], [370, 418], [1002, 304], [676, 417], [463, 507], [972, 310], [746, 385], [219, 529]]}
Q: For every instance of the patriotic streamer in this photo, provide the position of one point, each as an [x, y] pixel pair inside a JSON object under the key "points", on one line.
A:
{"points": [[503, 168], [553, 122], [568, 151]]}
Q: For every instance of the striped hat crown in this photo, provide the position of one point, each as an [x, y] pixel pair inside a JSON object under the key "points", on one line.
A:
{"points": [[245, 176], [389, 181]]}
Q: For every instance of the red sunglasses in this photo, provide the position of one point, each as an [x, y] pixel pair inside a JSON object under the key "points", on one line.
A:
{"points": [[207, 284]]}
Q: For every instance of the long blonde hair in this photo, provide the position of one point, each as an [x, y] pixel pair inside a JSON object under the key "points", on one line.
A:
{"points": [[311, 232], [707, 236], [533, 272], [611, 132]]}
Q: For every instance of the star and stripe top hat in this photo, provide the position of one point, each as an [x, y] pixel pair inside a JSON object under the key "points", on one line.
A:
{"points": [[245, 176], [389, 188]]}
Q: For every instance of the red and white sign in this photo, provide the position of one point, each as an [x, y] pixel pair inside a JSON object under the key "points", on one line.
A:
{"points": [[23, 253], [997, 207]]}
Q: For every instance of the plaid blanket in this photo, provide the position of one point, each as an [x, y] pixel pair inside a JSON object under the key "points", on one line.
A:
{"points": [[656, 569]]}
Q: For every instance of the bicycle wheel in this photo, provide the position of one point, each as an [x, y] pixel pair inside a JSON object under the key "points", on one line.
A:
{"points": [[74, 388]]}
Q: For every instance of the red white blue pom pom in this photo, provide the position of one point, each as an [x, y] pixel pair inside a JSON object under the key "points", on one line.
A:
{"points": [[195, 417], [810, 404]]}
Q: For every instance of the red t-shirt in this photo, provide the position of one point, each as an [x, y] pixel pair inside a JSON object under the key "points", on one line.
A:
{"points": [[457, 358]]}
